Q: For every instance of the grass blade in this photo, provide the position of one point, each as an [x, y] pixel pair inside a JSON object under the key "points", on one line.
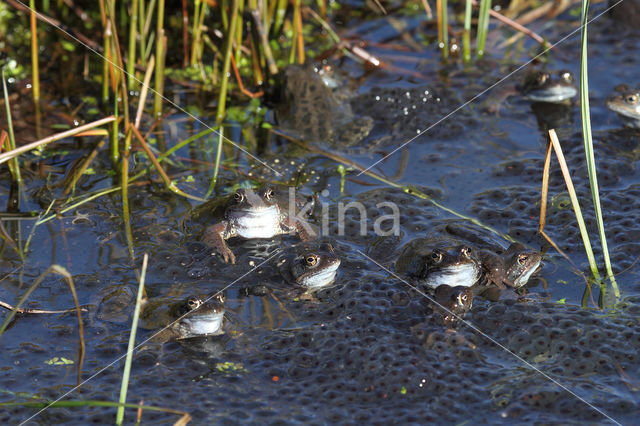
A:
{"points": [[58, 136], [588, 145], [14, 165], [216, 168], [553, 138], [132, 344]]}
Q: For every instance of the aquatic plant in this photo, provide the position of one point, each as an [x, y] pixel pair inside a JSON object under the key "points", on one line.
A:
{"points": [[589, 152]]}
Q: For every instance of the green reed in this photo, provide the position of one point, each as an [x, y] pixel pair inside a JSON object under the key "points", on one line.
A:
{"points": [[483, 26], [588, 149], [466, 34], [197, 44], [132, 343], [226, 65], [216, 167], [14, 165], [278, 20], [161, 49], [131, 54], [107, 50]]}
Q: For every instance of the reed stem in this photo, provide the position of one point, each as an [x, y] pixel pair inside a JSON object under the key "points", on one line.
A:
{"points": [[132, 343], [160, 56], [466, 34], [483, 26], [216, 167], [14, 165], [131, 59], [35, 71], [443, 28], [226, 65]]}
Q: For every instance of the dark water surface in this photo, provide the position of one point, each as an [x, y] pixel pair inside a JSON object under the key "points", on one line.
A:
{"points": [[361, 352]]}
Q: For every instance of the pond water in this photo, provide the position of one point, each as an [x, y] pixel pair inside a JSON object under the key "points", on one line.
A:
{"points": [[360, 350]]}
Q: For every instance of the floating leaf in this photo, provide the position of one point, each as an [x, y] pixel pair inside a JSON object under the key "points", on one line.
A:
{"points": [[58, 361], [228, 367], [562, 301]]}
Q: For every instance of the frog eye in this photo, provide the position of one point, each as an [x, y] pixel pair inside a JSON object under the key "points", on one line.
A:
{"points": [[542, 77], [219, 297], [462, 298], [193, 303], [436, 256], [466, 251], [311, 259], [631, 99], [238, 197], [523, 258], [268, 194], [567, 76]]}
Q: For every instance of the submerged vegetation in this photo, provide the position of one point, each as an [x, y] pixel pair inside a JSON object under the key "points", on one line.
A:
{"points": [[141, 56]]}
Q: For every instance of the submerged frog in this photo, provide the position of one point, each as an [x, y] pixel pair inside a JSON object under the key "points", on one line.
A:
{"points": [[253, 215], [511, 267], [310, 266], [626, 105], [188, 318], [541, 86], [439, 261], [452, 303], [310, 107]]}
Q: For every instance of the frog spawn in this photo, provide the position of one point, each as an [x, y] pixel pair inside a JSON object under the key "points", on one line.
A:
{"points": [[377, 324], [401, 113], [496, 208], [568, 343]]}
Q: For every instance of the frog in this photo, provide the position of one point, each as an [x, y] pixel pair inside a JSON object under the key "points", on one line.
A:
{"points": [[511, 268], [451, 303], [301, 270], [542, 86], [194, 316], [626, 104], [501, 268], [315, 106], [624, 14], [253, 214], [435, 261], [310, 267], [301, 201]]}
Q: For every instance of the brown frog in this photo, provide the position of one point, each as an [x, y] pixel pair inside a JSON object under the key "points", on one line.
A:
{"points": [[452, 303], [627, 105], [252, 214], [315, 106]]}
